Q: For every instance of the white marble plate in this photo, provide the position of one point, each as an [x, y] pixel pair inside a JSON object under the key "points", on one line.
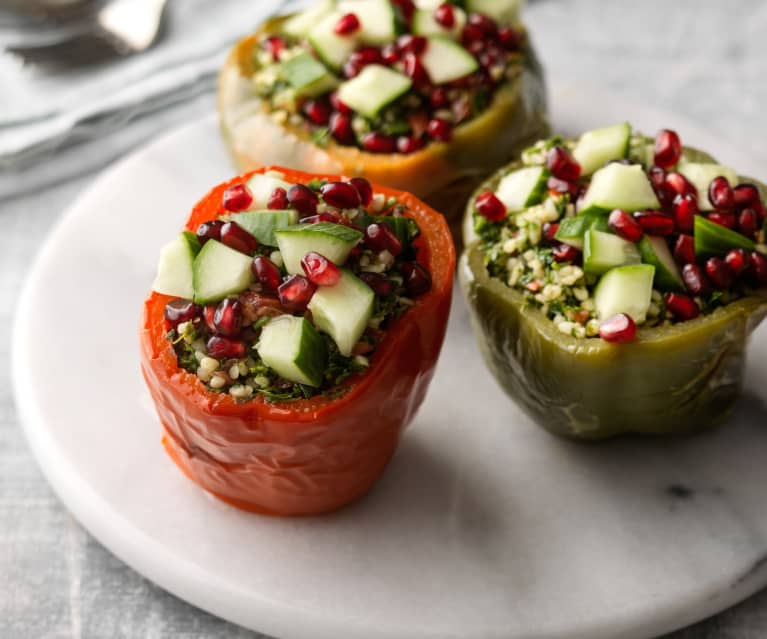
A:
{"points": [[483, 527]]}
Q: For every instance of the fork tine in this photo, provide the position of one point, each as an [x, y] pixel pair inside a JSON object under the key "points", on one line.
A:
{"points": [[87, 48]]}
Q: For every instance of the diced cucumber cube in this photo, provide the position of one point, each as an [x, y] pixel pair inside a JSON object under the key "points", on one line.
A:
{"points": [[174, 270], [424, 24], [262, 186], [427, 5], [294, 349], [263, 224], [603, 251], [572, 229], [619, 186], [522, 188], [307, 76], [219, 271], [446, 60], [502, 11], [343, 310], [625, 289], [333, 49], [376, 19], [712, 239], [333, 241], [701, 174], [375, 87], [597, 147], [302, 23], [655, 251]]}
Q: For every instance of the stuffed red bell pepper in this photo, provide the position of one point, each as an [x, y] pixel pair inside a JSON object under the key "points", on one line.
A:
{"points": [[291, 334]]}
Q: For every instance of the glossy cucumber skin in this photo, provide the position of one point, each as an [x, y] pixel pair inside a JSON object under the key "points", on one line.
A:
{"points": [[671, 380]]}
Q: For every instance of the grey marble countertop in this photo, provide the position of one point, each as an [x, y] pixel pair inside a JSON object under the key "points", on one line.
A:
{"points": [[703, 59]]}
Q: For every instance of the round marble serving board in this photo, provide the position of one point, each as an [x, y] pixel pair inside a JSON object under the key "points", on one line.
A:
{"points": [[483, 527]]}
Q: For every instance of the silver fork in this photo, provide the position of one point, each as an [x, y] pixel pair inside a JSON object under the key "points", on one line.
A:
{"points": [[119, 28]]}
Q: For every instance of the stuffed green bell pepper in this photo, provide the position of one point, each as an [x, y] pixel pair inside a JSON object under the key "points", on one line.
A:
{"points": [[614, 280]]}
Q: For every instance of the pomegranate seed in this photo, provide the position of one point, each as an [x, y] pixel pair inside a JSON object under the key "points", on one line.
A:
{"points": [[390, 53], [341, 195], [379, 237], [738, 261], [618, 328], [490, 207], [376, 142], [417, 279], [655, 222], [748, 223], [209, 231], [237, 197], [684, 249], [228, 317], [440, 129], [364, 190], [680, 185], [419, 122], [303, 199], [723, 218], [406, 8], [409, 144], [685, 210], [510, 38], [483, 23], [549, 231], [681, 306], [236, 237], [444, 15], [320, 270], [561, 187], [694, 279], [278, 200], [473, 37], [366, 55], [336, 103], [438, 98], [219, 347], [719, 273], [621, 223], [720, 194], [208, 313], [180, 310], [668, 148], [266, 273], [275, 45], [412, 44], [318, 111], [381, 286], [746, 194], [491, 56], [321, 217], [758, 268], [565, 253], [341, 128], [415, 70], [347, 24], [295, 292], [562, 164]]}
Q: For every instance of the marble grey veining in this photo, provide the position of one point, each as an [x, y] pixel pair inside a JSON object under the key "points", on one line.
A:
{"points": [[704, 59]]}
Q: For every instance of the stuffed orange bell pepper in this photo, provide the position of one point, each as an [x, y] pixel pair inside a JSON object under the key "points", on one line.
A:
{"points": [[387, 90], [291, 334]]}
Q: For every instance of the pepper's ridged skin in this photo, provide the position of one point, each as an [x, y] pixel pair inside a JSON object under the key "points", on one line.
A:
{"points": [[442, 174], [670, 380], [307, 456]]}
